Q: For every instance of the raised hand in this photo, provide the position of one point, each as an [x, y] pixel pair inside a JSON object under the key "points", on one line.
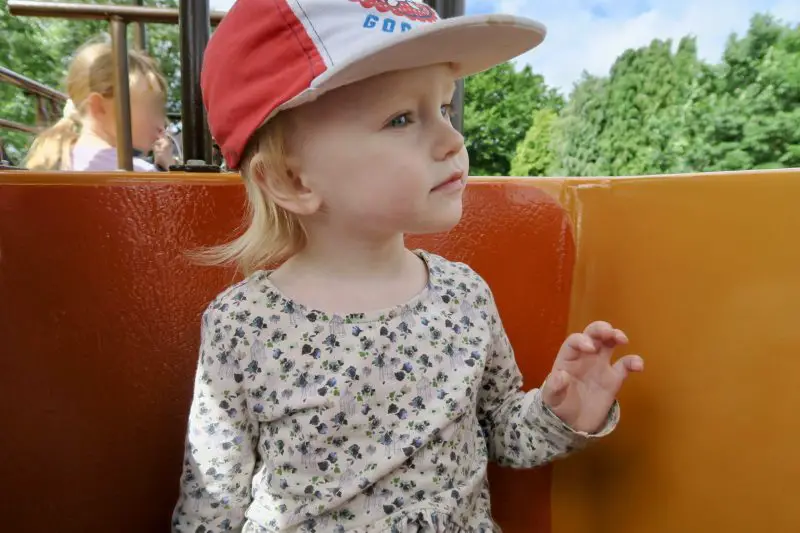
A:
{"points": [[583, 383]]}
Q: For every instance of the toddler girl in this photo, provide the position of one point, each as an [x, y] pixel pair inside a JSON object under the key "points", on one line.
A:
{"points": [[85, 137], [361, 386]]}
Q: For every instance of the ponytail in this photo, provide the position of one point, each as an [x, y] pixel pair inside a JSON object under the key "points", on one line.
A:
{"points": [[52, 149]]}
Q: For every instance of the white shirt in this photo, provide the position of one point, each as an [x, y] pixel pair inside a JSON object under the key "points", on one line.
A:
{"points": [[94, 157], [304, 421]]}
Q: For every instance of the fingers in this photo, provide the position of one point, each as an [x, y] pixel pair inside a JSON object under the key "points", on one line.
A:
{"points": [[598, 338], [593, 339], [162, 144], [627, 364], [581, 343], [605, 333]]}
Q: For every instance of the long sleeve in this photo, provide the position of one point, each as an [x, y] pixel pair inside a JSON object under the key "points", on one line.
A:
{"points": [[221, 439], [521, 431]]}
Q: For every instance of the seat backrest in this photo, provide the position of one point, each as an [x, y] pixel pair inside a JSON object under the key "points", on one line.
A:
{"points": [[702, 273], [99, 319]]}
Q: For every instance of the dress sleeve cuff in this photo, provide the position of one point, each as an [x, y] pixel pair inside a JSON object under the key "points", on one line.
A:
{"points": [[539, 410]]}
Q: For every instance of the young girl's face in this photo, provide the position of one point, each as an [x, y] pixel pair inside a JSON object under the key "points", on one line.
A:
{"points": [[382, 154], [148, 116]]}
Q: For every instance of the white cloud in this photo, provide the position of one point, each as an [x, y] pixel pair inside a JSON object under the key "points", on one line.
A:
{"points": [[590, 34], [221, 5]]}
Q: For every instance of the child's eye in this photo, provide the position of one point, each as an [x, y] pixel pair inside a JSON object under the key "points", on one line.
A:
{"points": [[447, 110], [400, 121]]}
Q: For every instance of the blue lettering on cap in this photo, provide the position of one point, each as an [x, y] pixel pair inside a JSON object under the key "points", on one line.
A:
{"points": [[371, 21]]}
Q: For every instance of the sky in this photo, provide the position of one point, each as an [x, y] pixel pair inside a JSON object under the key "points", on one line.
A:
{"points": [[588, 35]]}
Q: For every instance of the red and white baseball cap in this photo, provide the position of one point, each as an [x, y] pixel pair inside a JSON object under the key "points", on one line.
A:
{"points": [[269, 55]]}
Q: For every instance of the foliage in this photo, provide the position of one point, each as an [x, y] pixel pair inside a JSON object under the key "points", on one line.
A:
{"points": [[661, 112], [633, 121], [750, 114], [534, 154], [498, 110]]}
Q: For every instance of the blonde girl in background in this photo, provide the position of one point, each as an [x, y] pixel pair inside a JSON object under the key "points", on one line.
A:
{"points": [[85, 137]]}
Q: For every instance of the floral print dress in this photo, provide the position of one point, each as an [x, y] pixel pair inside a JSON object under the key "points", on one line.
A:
{"points": [[307, 422]]}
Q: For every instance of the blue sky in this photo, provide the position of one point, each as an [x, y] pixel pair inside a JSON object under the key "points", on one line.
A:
{"points": [[588, 35]]}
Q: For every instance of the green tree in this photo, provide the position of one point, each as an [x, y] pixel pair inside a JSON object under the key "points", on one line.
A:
{"points": [[749, 116], [663, 112], [633, 121], [576, 134], [498, 110], [534, 155]]}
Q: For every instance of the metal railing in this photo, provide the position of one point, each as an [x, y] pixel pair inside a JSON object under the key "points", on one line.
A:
{"points": [[195, 32], [134, 13], [140, 35], [195, 19], [16, 126], [48, 100], [30, 86]]}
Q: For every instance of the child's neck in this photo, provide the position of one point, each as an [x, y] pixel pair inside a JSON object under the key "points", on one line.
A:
{"points": [[92, 135], [352, 276], [353, 259]]}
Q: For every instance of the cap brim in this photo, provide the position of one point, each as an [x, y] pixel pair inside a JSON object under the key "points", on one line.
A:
{"points": [[471, 43]]}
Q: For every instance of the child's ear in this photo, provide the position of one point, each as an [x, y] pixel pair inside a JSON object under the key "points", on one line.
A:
{"points": [[287, 189], [96, 106]]}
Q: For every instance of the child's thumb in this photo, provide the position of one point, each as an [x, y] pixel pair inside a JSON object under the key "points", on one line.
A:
{"points": [[555, 387]]}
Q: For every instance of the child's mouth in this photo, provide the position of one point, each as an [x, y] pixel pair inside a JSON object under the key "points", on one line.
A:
{"points": [[454, 182]]}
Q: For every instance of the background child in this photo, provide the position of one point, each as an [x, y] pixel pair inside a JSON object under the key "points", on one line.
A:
{"points": [[85, 137], [361, 386]]}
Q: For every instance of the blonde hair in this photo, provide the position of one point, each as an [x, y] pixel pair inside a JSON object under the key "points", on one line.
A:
{"points": [[91, 71], [271, 233]]}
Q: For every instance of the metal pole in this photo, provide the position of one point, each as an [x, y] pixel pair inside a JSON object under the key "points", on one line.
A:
{"points": [[68, 10], [55, 110], [195, 28], [42, 116], [122, 94], [29, 85], [16, 126], [139, 33], [449, 9]]}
